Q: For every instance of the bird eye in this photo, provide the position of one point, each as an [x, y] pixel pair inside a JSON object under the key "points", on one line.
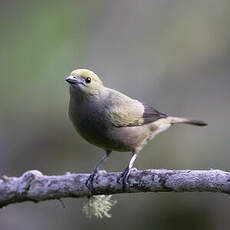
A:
{"points": [[88, 80]]}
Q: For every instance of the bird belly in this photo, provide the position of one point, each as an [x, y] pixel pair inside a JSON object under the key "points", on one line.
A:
{"points": [[97, 130], [109, 137]]}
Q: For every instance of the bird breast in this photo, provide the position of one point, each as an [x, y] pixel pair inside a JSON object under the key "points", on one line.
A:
{"points": [[92, 124]]}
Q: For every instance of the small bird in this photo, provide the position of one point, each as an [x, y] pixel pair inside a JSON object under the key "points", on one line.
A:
{"points": [[113, 121]]}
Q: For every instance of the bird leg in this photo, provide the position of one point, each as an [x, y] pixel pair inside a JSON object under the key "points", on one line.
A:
{"points": [[89, 181], [125, 175]]}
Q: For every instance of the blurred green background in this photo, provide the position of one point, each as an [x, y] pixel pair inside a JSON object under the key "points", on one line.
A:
{"points": [[174, 55]]}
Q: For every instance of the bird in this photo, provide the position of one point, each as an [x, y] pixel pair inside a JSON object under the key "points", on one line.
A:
{"points": [[113, 121]]}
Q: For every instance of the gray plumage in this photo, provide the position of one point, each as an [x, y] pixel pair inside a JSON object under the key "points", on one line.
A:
{"points": [[112, 120]]}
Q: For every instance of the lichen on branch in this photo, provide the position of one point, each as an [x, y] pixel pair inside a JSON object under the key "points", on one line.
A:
{"points": [[34, 186]]}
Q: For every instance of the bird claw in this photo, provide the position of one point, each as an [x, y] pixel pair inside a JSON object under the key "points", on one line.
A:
{"points": [[123, 178], [89, 181]]}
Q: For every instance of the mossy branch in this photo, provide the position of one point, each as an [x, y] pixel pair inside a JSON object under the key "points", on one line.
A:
{"points": [[34, 186]]}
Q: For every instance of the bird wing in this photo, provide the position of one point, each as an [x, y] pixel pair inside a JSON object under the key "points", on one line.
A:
{"points": [[125, 111]]}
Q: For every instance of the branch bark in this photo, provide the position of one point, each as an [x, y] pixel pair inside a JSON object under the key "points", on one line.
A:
{"points": [[34, 186]]}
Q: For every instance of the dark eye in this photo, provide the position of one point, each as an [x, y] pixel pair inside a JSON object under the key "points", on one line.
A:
{"points": [[88, 80]]}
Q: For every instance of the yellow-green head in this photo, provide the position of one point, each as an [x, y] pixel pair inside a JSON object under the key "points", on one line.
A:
{"points": [[85, 81]]}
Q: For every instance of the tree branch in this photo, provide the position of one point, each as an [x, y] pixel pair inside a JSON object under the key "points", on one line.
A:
{"points": [[34, 186]]}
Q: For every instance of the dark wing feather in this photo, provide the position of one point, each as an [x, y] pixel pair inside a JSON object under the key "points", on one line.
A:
{"points": [[150, 114]]}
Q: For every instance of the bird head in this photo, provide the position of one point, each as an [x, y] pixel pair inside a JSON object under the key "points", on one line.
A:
{"points": [[84, 81]]}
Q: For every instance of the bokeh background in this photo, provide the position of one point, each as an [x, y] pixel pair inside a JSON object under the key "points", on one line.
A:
{"points": [[174, 55]]}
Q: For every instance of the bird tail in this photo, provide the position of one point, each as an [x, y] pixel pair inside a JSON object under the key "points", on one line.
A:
{"points": [[181, 120]]}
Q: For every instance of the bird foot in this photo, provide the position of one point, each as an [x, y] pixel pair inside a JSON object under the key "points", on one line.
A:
{"points": [[89, 181], [123, 178]]}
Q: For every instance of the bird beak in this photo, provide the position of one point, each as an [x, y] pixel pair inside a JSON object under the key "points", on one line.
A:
{"points": [[71, 80]]}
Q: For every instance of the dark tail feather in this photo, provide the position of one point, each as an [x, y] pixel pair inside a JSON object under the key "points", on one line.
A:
{"points": [[178, 120]]}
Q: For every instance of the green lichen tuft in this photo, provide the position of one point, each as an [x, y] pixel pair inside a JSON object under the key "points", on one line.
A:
{"points": [[98, 206]]}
